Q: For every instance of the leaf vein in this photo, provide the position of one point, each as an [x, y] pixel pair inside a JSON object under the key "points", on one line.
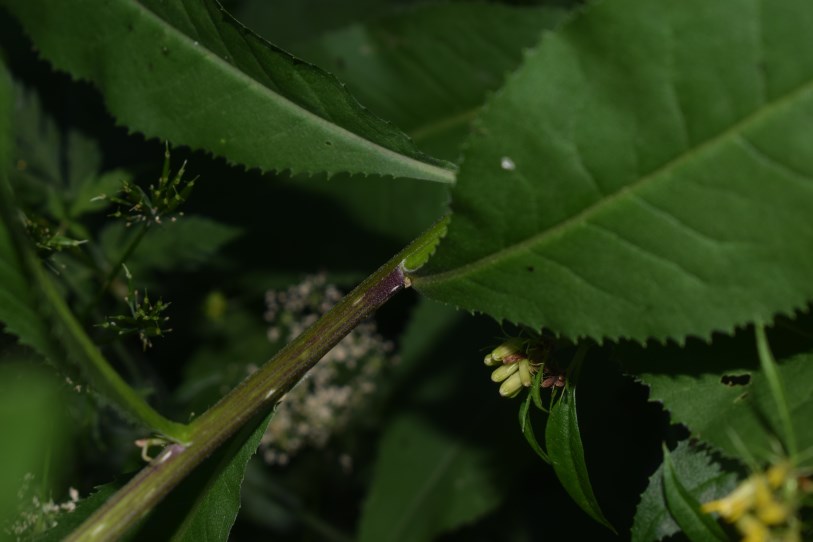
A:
{"points": [[659, 173]]}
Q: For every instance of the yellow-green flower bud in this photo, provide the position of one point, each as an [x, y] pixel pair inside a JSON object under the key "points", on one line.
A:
{"points": [[490, 361], [503, 371], [511, 386], [509, 349], [525, 372]]}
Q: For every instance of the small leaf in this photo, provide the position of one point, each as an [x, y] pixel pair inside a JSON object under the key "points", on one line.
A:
{"points": [[610, 188], [187, 72], [527, 428], [566, 453], [702, 477], [205, 505], [696, 525]]}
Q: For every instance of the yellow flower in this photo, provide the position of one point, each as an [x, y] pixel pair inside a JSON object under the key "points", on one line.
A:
{"points": [[737, 503], [763, 506], [752, 529]]}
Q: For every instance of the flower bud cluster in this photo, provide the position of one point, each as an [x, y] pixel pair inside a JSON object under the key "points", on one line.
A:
{"points": [[325, 401], [160, 200], [517, 361]]}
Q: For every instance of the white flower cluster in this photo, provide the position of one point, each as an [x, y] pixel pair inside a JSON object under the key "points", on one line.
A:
{"points": [[34, 515], [324, 401]]}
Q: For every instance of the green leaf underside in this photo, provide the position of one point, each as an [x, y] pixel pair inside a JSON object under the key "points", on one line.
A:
{"points": [[685, 509], [738, 419], [700, 476], [205, 506], [648, 172], [426, 483], [187, 72], [428, 68], [566, 453]]}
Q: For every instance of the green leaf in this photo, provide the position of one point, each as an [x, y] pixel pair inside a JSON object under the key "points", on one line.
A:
{"points": [[641, 175], [566, 454], [429, 68], [527, 429], [442, 456], [187, 72], [696, 525], [58, 172], [701, 477], [426, 482], [721, 395], [182, 245], [205, 505], [289, 23]]}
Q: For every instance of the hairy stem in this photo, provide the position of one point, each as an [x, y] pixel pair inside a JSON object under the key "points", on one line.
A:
{"points": [[253, 397]]}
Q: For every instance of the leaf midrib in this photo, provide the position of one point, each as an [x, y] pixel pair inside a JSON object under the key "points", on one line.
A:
{"points": [[584, 215], [437, 173]]}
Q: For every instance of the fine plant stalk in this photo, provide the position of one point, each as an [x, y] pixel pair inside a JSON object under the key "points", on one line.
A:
{"points": [[135, 240], [254, 397], [768, 365]]}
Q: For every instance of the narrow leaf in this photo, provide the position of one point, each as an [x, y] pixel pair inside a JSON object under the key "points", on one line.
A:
{"points": [[205, 506], [187, 72], [702, 477], [696, 525], [642, 174], [564, 443], [527, 429]]}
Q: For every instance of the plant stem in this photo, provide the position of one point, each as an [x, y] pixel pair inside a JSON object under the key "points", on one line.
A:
{"points": [[253, 397], [115, 269], [768, 365]]}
